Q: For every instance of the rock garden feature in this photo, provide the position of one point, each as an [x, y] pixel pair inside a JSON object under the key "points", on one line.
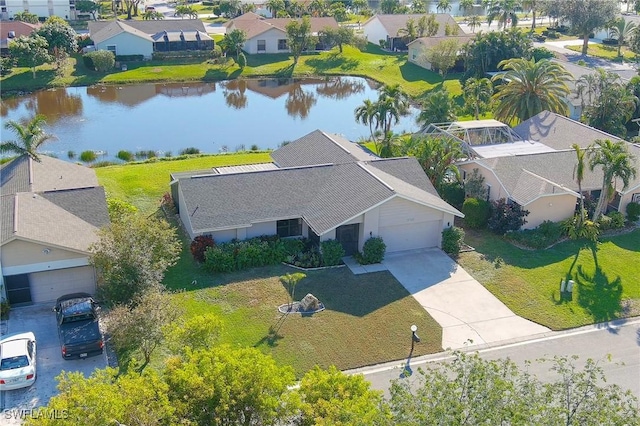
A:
{"points": [[308, 305]]}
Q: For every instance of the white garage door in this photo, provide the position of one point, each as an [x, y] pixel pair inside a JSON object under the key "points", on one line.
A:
{"points": [[411, 236], [48, 286]]}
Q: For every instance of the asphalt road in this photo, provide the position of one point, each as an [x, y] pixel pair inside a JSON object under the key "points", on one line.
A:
{"points": [[621, 340]]}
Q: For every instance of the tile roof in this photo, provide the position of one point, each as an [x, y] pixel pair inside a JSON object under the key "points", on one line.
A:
{"points": [[393, 23], [319, 147], [559, 132]]}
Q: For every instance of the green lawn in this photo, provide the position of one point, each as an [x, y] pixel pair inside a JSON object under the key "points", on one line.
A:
{"points": [[373, 63], [528, 282], [367, 318], [605, 52], [143, 184]]}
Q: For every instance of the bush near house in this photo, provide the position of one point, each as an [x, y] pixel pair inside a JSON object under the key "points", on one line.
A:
{"points": [[476, 212], [452, 240], [372, 251], [633, 211], [332, 252], [613, 220], [506, 217], [546, 234], [199, 246]]}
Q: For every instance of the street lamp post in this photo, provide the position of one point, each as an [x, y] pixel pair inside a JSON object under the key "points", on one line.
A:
{"points": [[414, 336]]}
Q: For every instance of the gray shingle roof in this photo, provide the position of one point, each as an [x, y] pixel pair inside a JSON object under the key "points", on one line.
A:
{"points": [[325, 196], [559, 132], [407, 170], [89, 204], [151, 26], [113, 29], [38, 219], [50, 174], [393, 23], [319, 147]]}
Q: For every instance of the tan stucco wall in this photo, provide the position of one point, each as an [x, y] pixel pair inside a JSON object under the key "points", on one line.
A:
{"points": [[18, 252], [554, 208], [497, 191]]}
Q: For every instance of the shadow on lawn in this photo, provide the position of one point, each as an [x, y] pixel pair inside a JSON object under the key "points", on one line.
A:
{"points": [[332, 61], [599, 295], [357, 295]]}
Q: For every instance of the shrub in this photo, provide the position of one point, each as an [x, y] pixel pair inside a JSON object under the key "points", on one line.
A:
{"points": [[255, 147], [71, 155], [5, 307], [190, 151], [372, 251], [87, 60], [199, 246], [474, 186], [6, 65], [538, 53], [242, 60], [216, 52], [588, 230], [476, 212], [506, 217], [332, 252], [453, 193], [613, 220], [125, 155], [541, 237], [88, 156], [452, 240], [101, 60], [633, 211]]}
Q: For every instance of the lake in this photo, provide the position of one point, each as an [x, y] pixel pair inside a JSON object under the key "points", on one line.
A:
{"points": [[212, 117]]}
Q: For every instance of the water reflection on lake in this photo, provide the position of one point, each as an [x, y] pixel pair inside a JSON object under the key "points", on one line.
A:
{"points": [[213, 117]]}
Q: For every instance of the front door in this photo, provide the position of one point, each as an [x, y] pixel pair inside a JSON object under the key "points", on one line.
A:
{"points": [[18, 290], [347, 235]]}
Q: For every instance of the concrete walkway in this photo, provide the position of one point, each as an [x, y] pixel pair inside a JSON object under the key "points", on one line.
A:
{"points": [[468, 313]]}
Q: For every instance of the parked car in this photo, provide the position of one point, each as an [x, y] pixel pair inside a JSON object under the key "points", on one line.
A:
{"points": [[17, 361], [78, 327]]}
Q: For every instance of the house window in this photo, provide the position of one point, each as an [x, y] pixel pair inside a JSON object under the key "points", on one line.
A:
{"points": [[112, 48], [262, 45], [282, 44], [464, 175], [289, 228], [488, 191]]}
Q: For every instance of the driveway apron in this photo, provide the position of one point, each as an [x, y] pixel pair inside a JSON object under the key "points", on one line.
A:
{"points": [[468, 313]]}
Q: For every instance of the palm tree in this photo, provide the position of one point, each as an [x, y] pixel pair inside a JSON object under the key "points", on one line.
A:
{"points": [[474, 22], [466, 6], [505, 12], [409, 32], [622, 30], [436, 155], [578, 175], [234, 40], [616, 162], [30, 137], [612, 107], [534, 6], [275, 6], [392, 104], [477, 94], [437, 107], [530, 88], [443, 6], [367, 114], [152, 15]]}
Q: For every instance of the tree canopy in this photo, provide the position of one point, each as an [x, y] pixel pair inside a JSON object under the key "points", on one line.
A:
{"points": [[586, 16], [30, 51], [487, 50], [30, 135], [299, 37]]}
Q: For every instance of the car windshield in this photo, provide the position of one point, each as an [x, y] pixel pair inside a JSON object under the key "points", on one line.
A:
{"points": [[14, 362], [79, 317]]}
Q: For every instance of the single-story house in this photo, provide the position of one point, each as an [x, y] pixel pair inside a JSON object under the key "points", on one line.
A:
{"points": [[322, 187], [14, 29], [386, 27], [419, 47], [145, 37], [536, 170], [51, 212], [270, 35]]}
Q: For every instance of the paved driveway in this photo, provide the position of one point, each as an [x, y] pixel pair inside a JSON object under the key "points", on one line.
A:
{"points": [[41, 321], [461, 305]]}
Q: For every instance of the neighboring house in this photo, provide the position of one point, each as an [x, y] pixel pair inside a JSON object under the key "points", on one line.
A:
{"points": [[51, 212], [386, 27], [270, 35], [145, 37], [63, 8], [13, 29], [419, 48], [533, 164], [322, 187]]}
